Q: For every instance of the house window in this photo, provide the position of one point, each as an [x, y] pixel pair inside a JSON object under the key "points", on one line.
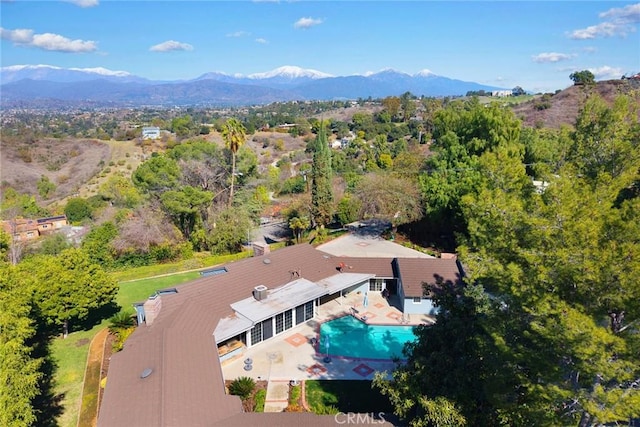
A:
{"points": [[308, 310], [279, 323], [256, 334], [417, 300], [376, 285], [288, 320]]}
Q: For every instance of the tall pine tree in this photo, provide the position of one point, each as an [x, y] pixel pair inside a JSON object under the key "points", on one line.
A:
{"points": [[321, 189]]}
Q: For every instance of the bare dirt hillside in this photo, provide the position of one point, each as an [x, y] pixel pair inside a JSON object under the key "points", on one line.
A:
{"points": [[563, 107], [66, 162], [79, 167]]}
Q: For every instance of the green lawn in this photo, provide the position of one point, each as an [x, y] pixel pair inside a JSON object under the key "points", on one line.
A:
{"points": [[70, 354], [345, 396], [140, 290], [136, 284]]}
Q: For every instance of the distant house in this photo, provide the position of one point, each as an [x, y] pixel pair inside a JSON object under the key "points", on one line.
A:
{"points": [[28, 229], [502, 93], [151, 132]]}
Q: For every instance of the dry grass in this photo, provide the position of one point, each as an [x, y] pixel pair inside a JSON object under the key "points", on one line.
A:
{"points": [[565, 105]]}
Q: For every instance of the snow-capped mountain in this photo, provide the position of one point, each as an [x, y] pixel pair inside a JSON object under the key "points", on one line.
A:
{"points": [[58, 74], [290, 72], [22, 83]]}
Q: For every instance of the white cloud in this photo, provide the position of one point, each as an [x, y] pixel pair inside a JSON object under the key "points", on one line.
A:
{"points": [[47, 41], [306, 23], [551, 57], [605, 29], [617, 22], [261, 40], [239, 34], [629, 13], [56, 42], [606, 72], [19, 36], [84, 3], [170, 45], [590, 49]]}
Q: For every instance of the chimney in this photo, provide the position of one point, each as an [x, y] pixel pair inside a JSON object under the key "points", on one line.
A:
{"points": [[260, 249], [152, 307], [260, 292]]}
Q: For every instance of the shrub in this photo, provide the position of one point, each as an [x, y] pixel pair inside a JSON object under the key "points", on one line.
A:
{"points": [[242, 387], [260, 399], [121, 320], [293, 185], [77, 209]]}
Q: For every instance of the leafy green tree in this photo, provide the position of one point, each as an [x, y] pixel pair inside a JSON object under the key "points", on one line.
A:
{"points": [[20, 373], [183, 126], [121, 192], [583, 77], [321, 184], [16, 205], [348, 209], [159, 173], [69, 288], [234, 135], [517, 91], [97, 244], [53, 244], [46, 188], [392, 105], [298, 225], [606, 138], [186, 207], [228, 230], [77, 209]]}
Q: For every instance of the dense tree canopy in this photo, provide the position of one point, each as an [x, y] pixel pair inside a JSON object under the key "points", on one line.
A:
{"points": [[545, 330]]}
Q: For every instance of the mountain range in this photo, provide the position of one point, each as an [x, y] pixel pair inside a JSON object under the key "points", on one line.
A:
{"points": [[44, 85]]}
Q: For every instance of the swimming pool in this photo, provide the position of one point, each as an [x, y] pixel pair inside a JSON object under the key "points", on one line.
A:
{"points": [[350, 337]]}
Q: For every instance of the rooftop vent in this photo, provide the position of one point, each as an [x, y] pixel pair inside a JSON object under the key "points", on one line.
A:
{"points": [[260, 292]]}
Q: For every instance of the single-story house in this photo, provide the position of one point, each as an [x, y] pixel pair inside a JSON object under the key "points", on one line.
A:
{"points": [[28, 229], [169, 372], [150, 132]]}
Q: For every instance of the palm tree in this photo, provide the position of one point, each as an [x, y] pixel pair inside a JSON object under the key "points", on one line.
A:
{"points": [[233, 133]]}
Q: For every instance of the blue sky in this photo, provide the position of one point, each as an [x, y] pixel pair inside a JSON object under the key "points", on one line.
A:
{"points": [[535, 45]]}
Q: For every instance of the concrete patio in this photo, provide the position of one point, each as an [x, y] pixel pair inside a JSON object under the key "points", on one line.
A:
{"points": [[292, 356]]}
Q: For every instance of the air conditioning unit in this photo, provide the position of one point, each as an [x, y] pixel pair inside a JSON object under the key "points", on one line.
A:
{"points": [[260, 292]]}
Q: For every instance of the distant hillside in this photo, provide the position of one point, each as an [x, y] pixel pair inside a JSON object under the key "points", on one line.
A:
{"points": [[562, 108]]}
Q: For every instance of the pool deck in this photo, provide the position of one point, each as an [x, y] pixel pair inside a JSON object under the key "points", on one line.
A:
{"points": [[291, 355]]}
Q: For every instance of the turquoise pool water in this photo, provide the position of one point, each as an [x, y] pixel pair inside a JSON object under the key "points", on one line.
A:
{"points": [[349, 337]]}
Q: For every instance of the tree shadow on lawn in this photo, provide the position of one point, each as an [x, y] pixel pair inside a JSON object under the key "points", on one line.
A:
{"points": [[48, 406], [348, 396]]}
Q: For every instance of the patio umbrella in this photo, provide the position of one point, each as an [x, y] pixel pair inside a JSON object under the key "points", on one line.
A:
{"points": [[327, 359], [365, 302]]}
